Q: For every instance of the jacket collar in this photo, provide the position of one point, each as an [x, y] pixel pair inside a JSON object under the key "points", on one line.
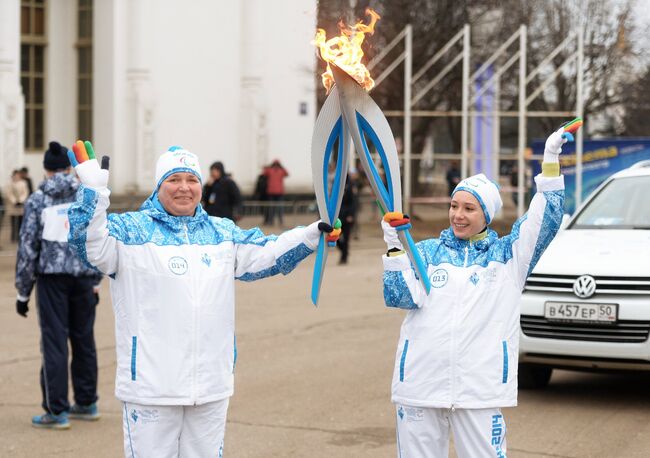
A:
{"points": [[478, 242], [157, 212]]}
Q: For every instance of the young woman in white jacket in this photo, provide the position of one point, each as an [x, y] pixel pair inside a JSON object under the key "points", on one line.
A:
{"points": [[173, 270], [456, 361]]}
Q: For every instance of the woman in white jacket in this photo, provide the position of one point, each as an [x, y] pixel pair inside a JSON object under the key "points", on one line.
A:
{"points": [[172, 270], [456, 361]]}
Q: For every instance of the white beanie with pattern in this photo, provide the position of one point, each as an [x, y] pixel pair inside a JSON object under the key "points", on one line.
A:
{"points": [[176, 159], [486, 192]]}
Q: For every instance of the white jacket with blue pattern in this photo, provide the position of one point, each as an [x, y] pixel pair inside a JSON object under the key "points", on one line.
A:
{"points": [[459, 345], [173, 292]]}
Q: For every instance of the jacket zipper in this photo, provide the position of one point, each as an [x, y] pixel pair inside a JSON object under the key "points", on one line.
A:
{"points": [[452, 356], [187, 236], [195, 317], [453, 345]]}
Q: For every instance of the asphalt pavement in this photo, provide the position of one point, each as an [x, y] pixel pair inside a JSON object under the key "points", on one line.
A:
{"points": [[315, 382]]}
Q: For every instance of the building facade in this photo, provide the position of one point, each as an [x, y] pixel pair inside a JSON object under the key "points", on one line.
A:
{"points": [[228, 80]]}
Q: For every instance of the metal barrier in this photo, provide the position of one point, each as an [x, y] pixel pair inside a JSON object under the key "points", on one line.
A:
{"points": [[289, 207]]}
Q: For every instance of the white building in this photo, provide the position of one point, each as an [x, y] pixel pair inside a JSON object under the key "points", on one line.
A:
{"points": [[230, 80]]}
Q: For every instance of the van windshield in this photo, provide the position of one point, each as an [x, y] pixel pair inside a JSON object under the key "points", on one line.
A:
{"points": [[622, 204]]}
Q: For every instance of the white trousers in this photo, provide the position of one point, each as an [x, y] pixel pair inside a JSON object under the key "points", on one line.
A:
{"points": [[174, 431], [424, 433]]}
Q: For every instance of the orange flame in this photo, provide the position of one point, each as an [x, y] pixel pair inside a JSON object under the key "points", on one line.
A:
{"points": [[345, 51]]}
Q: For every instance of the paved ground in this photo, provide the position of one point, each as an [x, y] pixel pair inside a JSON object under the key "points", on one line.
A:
{"points": [[316, 382]]}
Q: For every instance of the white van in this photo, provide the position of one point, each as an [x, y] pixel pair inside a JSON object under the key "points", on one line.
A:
{"points": [[586, 305]]}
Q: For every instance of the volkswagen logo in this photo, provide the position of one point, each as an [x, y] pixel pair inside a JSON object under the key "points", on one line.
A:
{"points": [[584, 286]]}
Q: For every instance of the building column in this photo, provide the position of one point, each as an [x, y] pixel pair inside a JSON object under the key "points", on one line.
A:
{"points": [[141, 101], [253, 131], [12, 103]]}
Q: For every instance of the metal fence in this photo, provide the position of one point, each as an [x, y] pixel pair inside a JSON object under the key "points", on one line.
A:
{"points": [[287, 207]]}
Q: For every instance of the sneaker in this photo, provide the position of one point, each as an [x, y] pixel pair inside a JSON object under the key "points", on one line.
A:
{"points": [[51, 421], [87, 413]]}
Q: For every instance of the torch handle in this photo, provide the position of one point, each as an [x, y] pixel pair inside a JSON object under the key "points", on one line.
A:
{"points": [[415, 258], [319, 269]]}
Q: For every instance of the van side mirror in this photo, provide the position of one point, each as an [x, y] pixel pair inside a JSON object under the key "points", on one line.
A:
{"points": [[565, 221]]}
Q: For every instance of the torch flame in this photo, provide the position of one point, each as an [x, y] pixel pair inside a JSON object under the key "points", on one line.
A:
{"points": [[345, 51]]}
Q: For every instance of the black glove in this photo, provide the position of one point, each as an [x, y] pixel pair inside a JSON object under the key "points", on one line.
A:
{"points": [[96, 298], [324, 227], [21, 308]]}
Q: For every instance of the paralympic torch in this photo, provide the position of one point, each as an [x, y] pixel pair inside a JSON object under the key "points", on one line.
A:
{"points": [[349, 112]]}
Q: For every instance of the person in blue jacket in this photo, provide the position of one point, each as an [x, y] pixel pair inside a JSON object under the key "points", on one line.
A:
{"points": [[173, 270], [456, 361]]}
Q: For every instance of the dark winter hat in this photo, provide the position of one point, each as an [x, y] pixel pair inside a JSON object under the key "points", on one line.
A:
{"points": [[218, 166], [56, 157]]}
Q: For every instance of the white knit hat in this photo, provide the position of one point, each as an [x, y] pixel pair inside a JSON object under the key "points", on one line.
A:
{"points": [[176, 159], [486, 192]]}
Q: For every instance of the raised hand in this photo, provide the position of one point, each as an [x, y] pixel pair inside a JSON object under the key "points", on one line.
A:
{"points": [[553, 146], [571, 128], [82, 157]]}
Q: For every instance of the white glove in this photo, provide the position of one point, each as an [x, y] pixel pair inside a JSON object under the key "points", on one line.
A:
{"points": [[313, 233], [390, 236], [553, 146], [86, 166], [91, 175]]}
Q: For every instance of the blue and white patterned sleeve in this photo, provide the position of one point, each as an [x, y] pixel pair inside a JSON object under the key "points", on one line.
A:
{"points": [[30, 245], [533, 232], [89, 230], [259, 256], [402, 289]]}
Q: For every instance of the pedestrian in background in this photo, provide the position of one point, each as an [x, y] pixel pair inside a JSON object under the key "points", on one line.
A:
{"points": [[358, 178], [221, 196], [17, 192], [259, 194], [275, 175], [348, 216], [66, 296], [24, 174], [453, 176]]}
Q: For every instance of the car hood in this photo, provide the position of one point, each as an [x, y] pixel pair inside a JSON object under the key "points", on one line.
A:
{"points": [[598, 252]]}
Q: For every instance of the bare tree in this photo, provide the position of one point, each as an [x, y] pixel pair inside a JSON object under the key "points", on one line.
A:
{"points": [[434, 23], [608, 55], [637, 107]]}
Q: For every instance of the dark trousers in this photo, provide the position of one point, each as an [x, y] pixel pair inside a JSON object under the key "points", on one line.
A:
{"points": [[343, 243], [274, 210], [16, 222], [66, 310]]}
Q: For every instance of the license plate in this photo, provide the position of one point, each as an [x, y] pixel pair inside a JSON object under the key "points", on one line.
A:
{"points": [[581, 313]]}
